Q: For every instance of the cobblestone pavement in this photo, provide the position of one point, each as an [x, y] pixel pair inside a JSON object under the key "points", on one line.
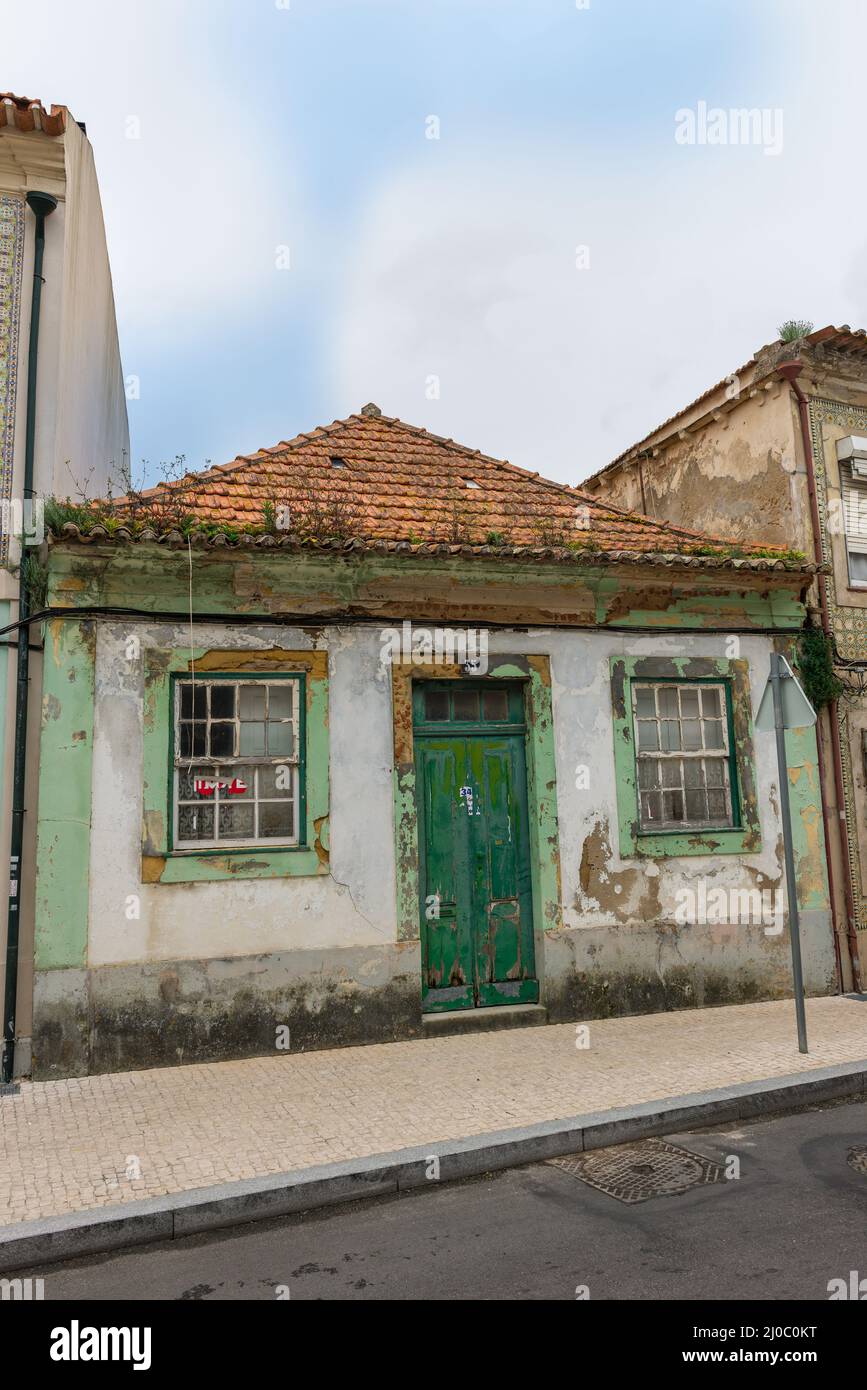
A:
{"points": [[72, 1145]]}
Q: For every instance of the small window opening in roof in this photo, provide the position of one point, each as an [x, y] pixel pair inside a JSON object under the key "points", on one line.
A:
{"points": [[337, 462], [469, 483]]}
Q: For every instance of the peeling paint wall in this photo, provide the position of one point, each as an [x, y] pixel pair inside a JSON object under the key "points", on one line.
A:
{"points": [[203, 969], [738, 475]]}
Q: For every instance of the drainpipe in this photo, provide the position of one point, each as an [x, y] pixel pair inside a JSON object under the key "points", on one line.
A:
{"points": [[791, 371], [42, 205]]}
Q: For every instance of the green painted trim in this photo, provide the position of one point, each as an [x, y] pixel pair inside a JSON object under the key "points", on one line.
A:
{"points": [[272, 676], [161, 863], [65, 795], [541, 795], [265, 582], [745, 838]]}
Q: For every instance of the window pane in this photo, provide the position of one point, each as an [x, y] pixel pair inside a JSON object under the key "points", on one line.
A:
{"points": [[691, 735], [252, 741], [648, 773], [672, 805], [192, 740], [714, 772], [716, 805], [648, 738], [466, 704], [713, 734], [645, 705], [671, 773], [252, 701], [222, 741], [436, 704], [281, 740], [668, 701], [195, 823], [857, 567], [696, 806], [689, 704], [670, 736], [187, 779], [710, 704], [692, 773], [236, 821], [187, 701], [495, 704], [241, 783], [650, 807], [276, 819], [280, 701], [276, 781], [222, 701]]}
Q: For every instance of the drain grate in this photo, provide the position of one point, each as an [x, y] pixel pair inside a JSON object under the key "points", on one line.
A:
{"points": [[638, 1172], [857, 1159]]}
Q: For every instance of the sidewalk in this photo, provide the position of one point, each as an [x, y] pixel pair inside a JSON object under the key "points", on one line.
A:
{"points": [[70, 1146]]}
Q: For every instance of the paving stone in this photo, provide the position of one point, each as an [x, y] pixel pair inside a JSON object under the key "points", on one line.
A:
{"points": [[64, 1145]]}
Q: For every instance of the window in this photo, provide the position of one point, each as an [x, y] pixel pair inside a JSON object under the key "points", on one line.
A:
{"points": [[685, 775], [854, 490], [237, 766]]}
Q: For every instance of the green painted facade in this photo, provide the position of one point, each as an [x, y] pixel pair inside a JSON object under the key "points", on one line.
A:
{"points": [[65, 791]]}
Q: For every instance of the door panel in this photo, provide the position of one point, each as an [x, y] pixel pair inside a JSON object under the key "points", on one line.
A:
{"points": [[476, 908], [447, 935]]}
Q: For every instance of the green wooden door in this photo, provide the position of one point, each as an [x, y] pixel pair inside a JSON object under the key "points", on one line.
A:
{"points": [[476, 896]]}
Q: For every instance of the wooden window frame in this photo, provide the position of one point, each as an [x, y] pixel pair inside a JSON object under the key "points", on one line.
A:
{"points": [[725, 755], [296, 760]]}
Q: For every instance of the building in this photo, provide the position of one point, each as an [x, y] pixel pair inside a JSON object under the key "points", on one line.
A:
{"points": [[776, 453], [368, 735], [63, 419]]}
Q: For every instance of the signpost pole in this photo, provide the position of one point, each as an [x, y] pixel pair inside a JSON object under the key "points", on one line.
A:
{"points": [[778, 674]]}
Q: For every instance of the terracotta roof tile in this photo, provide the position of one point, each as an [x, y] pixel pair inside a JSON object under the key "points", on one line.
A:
{"points": [[26, 114], [400, 483]]}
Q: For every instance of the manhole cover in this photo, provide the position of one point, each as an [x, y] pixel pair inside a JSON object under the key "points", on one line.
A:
{"points": [[638, 1172], [857, 1159]]}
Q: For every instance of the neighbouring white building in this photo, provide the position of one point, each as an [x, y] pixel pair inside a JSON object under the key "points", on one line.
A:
{"points": [[81, 433]]}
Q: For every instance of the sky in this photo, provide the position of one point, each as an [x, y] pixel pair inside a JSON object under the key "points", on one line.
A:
{"points": [[502, 220]]}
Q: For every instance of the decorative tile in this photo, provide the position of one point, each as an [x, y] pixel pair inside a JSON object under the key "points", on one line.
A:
{"points": [[11, 259]]}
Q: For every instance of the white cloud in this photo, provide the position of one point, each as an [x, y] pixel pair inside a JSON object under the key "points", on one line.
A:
{"points": [[467, 271], [197, 205]]}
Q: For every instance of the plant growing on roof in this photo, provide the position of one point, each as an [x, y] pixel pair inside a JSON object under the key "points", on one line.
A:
{"points": [[792, 329], [549, 529], [321, 515], [455, 526]]}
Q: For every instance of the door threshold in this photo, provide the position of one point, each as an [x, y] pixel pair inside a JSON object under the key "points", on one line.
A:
{"points": [[484, 1020]]}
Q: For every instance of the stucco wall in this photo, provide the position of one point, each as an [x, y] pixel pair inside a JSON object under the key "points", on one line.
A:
{"points": [[210, 969], [739, 476]]}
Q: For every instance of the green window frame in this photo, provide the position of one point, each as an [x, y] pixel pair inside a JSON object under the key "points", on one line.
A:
{"points": [[686, 747], [238, 763], [636, 838], [163, 858]]}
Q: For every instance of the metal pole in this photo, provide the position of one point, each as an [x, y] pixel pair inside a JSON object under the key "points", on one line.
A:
{"points": [[777, 677], [42, 205]]}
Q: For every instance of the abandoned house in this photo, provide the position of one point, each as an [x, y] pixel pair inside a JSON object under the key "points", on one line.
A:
{"points": [[368, 735], [777, 453]]}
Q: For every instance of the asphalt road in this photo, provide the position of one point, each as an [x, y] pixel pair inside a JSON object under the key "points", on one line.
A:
{"points": [[795, 1218]]}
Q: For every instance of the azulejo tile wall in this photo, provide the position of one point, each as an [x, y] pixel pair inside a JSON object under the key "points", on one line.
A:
{"points": [[11, 257], [849, 624]]}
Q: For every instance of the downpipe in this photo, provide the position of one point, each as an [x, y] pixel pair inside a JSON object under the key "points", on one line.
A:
{"points": [[41, 205]]}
